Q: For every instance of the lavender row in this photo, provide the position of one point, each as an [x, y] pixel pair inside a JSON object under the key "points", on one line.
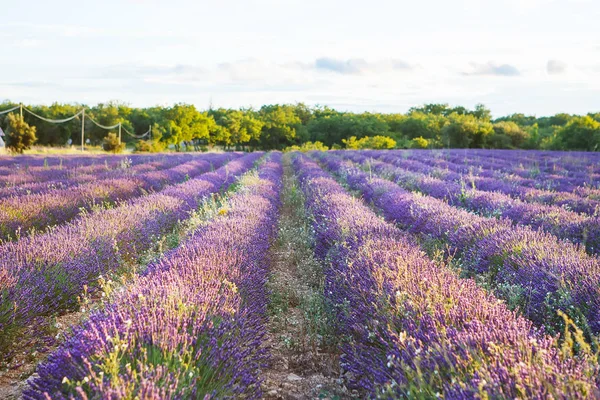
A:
{"points": [[581, 200], [416, 330], [43, 274], [17, 175], [579, 229], [547, 161], [192, 327], [530, 188], [532, 164], [584, 199], [517, 174], [536, 272], [28, 161], [18, 215], [79, 176]]}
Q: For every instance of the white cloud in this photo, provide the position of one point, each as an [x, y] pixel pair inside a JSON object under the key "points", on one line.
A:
{"points": [[556, 67], [492, 68]]}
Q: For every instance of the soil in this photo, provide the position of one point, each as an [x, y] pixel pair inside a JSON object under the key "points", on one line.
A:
{"points": [[302, 366], [15, 373]]}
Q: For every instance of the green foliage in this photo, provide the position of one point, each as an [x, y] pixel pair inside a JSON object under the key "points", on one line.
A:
{"points": [[335, 128], [20, 135], [283, 126], [308, 146], [580, 133], [465, 131], [149, 146], [188, 126], [419, 143], [235, 127], [508, 135], [280, 124], [107, 114], [372, 142], [55, 134], [112, 143]]}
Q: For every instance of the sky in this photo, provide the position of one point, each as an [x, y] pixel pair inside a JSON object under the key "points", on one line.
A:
{"points": [[538, 57]]}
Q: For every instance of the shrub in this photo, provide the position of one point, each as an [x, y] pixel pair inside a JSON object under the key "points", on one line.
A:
{"points": [[308, 146], [112, 143], [419, 143], [149, 146], [370, 142], [19, 135]]}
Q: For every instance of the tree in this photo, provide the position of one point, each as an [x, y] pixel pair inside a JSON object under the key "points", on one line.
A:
{"points": [[508, 134], [107, 114], [111, 143], [335, 128], [482, 112], [435, 109], [580, 133], [186, 124], [51, 134], [280, 124], [466, 131], [20, 136], [427, 126], [235, 127]]}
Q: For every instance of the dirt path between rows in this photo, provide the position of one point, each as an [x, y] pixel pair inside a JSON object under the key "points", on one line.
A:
{"points": [[305, 360]]}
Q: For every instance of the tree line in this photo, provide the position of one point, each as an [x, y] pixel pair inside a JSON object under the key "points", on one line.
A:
{"points": [[183, 127]]}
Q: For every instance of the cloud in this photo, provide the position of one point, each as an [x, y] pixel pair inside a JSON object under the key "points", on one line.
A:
{"points": [[29, 84], [401, 65], [351, 66], [556, 67], [492, 68], [356, 66], [148, 71]]}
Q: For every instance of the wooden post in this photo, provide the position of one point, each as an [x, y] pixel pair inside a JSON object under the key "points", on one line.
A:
{"points": [[82, 129]]}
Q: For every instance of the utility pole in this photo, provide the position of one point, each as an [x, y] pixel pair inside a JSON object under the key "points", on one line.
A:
{"points": [[21, 108], [82, 129], [120, 132], [150, 130]]}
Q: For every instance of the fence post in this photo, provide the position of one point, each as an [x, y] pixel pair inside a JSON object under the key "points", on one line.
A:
{"points": [[82, 129]]}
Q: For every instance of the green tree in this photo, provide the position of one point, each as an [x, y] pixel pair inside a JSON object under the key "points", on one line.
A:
{"points": [[280, 123], [188, 126], [427, 126], [55, 134], [236, 127], [508, 134], [107, 114], [464, 131], [482, 112], [20, 136], [334, 128], [580, 133]]}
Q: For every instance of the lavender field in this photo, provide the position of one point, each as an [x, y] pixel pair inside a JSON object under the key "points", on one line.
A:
{"points": [[391, 274]]}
